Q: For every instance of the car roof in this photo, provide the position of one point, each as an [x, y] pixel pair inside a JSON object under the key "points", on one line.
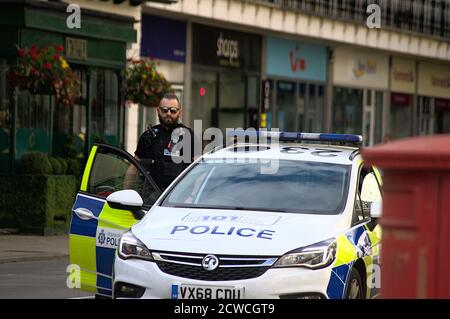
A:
{"points": [[323, 153]]}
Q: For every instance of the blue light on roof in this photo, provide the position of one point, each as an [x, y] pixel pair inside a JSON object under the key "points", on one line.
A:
{"points": [[298, 136]]}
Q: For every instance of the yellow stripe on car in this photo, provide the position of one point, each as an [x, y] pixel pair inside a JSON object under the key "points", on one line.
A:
{"points": [[346, 251], [87, 170]]}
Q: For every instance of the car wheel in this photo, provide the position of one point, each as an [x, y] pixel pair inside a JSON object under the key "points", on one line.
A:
{"points": [[355, 287]]}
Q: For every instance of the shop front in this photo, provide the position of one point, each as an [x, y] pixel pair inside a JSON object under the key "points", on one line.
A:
{"points": [[433, 112], [163, 40], [360, 81], [403, 89], [296, 78], [225, 77], [96, 52]]}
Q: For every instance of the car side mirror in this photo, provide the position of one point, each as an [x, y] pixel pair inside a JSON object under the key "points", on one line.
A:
{"points": [[127, 200], [376, 210]]}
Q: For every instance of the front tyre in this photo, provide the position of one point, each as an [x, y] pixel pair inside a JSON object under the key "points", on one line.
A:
{"points": [[355, 287]]}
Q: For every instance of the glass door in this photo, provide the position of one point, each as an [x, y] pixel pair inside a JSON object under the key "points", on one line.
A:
{"points": [[442, 116], [203, 97], [425, 114], [372, 117], [232, 88], [310, 107], [347, 110], [286, 107]]}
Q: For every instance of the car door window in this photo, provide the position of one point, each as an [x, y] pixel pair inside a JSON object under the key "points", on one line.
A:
{"points": [[358, 212], [112, 172], [361, 210], [370, 192]]}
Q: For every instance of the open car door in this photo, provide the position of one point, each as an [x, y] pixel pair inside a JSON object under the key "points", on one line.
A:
{"points": [[96, 227]]}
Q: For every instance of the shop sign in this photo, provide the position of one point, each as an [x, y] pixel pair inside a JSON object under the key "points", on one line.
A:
{"points": [[434, 80], [225, 48], [403, 75], [401, 99], [360, 69], [364, 67], [163, 38], [442, 105], [76, 49], [296, 60], [228, 51]]}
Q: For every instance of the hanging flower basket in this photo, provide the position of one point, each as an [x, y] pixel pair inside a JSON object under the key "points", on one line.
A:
{"points": [[143, 84], [45, 71]]}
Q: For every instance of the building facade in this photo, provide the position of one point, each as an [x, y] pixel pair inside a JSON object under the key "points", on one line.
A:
{"points": [[316, 64], [97, 52]]}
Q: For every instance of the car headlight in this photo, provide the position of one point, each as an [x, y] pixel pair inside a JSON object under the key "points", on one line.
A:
{"points": [[131, 247], [316, 256]]}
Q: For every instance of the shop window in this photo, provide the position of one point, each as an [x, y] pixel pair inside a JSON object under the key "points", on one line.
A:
{"points": [[286, 106], [401, 115], [253, 91], [347, 110], [320, 103], [252, 102], [442, 116], [5, 121], [425, 114], [32, 123], [69, 125], [203, 97], [231, 101], [301, 106], [104, 107], [378, 131]]}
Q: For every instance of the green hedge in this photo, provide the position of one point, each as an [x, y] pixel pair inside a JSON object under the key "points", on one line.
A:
{"points": [[37, 204]]}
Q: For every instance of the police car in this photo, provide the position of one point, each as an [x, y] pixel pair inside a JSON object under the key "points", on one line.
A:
{"points": [[295, 219]]}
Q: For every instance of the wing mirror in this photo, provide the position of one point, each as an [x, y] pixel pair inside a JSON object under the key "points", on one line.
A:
{"points": [[127, 200]]}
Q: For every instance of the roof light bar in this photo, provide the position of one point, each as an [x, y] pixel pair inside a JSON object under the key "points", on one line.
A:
{"points": [[299, 136]]}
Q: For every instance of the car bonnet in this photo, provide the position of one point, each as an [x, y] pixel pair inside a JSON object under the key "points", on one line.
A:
{"points": [[233, 232]]}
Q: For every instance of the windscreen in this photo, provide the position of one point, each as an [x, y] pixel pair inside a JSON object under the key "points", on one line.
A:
{"points": [[296, 187]]}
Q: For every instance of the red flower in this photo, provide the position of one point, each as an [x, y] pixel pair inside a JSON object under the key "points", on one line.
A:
{"points": [[47, 65], [34, 55], [59, 48], [56, 56], [33, 70], [21, 53]]}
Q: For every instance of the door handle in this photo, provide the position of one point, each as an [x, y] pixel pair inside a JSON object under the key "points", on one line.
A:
{"points": [[84, 214]]}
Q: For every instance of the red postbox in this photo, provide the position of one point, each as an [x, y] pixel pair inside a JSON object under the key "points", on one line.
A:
{"points": [[415, 253]]}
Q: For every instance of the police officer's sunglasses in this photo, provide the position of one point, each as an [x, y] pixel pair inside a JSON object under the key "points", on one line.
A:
{"points": [[173, 110]]}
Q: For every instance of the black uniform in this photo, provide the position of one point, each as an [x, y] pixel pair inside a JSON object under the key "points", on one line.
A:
{"points": [[155, 149]]}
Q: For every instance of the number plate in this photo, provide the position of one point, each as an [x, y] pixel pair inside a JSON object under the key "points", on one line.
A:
{"points": [[206, 292]]}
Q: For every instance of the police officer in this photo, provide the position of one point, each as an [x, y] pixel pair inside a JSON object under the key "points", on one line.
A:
{"points": [[156, 149]]}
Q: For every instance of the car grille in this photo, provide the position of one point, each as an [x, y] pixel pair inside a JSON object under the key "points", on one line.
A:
{"points": [[230, 267]]}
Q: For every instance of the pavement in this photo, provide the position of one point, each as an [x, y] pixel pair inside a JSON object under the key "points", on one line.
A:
{"points": [[19, 248]]}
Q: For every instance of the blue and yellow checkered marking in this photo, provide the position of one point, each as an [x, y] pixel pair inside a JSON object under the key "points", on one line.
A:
{"points": [[357, 243], [96, 262], [86, 227]]}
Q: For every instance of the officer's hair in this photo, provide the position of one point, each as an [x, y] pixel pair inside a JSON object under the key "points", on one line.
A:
{"points": [[171, 96]]}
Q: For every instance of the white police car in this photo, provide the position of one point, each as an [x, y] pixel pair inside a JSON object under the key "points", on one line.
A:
{"points": [[288, 220]]}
